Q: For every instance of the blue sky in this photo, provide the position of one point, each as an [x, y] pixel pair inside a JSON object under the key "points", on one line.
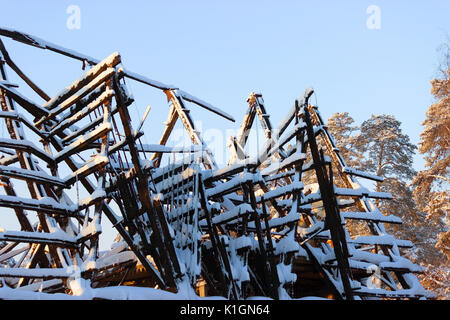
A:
{"points": [[220, 51]]}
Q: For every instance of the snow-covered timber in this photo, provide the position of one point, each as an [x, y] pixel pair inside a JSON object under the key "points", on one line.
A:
{"points": [[273, 225]]}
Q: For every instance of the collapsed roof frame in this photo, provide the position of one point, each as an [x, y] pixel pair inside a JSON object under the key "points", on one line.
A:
{"points": [[241, 230]]}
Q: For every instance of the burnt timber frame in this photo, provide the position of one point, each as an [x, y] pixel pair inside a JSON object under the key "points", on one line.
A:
{"points": [[251, 228]]}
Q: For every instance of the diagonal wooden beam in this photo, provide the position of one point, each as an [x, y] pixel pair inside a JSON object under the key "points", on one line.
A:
{"points": [[170, 124]]}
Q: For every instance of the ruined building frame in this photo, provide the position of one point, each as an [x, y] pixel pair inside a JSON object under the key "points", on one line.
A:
{"points": [[272, 225]]}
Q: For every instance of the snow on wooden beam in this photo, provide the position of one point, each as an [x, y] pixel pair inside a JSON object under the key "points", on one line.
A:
{"points": [[383, 240], [183, 114], [46, 205], [226, 187], [367, 267], [401, 265], [38, 273], [115, 260], [89, 231], [40, 43], [27, 104], [33, 175], [158, 148], [286, 137], [91, 125], [10, 254], [169, 125], [222, 173], [371, 216], [185, 210], [92, 165], [361, 192], [158, 174], [233, 214], [291, 114], [281, 191], [83, 141], [56, 238], [176, 181], [101, 78], [278, 166], [26, 146], [42, 286], [391, 294], [186, 96], [71, 119], [122, 144], [362, 174], [278, 222], [93, 198], [97, 74], [147, 81], [18, 117]]}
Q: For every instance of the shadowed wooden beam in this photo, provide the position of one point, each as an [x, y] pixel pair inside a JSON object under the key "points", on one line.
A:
{"points": [[19, 72]]}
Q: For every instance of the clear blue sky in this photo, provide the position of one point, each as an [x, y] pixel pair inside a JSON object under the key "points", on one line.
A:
{"points": [[220, 51]]}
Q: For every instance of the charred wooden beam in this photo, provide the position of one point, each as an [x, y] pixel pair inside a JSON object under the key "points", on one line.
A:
{"points": [[329, 200]]}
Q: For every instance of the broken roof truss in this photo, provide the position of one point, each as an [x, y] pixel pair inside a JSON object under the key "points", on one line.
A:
{"points": [[272, 225]]}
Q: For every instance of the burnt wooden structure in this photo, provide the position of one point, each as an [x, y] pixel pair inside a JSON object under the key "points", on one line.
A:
{"points": [[273, 225]]}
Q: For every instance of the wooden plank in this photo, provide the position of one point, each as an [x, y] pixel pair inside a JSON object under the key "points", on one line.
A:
{"points": [[362, 174], [36, 273], [33, 175], [60, 239], [371, 216], [81, 142], [26, 146], [72, 118], [19, 117], [19, 72], [188, 97], [92, 165], [101, 78], [47, 205], [382, 241], [12, 253], [361, 192], [26, 103], [92, 75], [227, 172]]}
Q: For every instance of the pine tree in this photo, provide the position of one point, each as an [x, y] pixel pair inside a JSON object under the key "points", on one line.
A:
{"points": [[431, 185], [380, 147], [342, 129], [388, 152]]}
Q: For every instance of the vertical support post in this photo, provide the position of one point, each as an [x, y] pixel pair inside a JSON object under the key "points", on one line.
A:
{"points": [[270, 281], [332, 219]]}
